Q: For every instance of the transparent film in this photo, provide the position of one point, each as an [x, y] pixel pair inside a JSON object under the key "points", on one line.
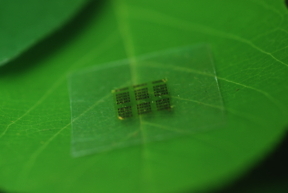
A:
{"points": [[144, 99]]}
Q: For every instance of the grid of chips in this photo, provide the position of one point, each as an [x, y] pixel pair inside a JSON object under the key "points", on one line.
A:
{"points": [[142, 99]]}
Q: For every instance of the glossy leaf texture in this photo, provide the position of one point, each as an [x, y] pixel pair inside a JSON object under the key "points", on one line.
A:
{"points": [[249, 43], [23, 24]]}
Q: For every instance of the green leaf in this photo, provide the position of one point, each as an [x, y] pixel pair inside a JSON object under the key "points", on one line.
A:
{"points": [[23, 24], [249, 43]]}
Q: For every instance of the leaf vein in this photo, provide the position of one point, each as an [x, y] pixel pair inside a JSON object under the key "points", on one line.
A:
{"points": [[272, 99], [160, 18], [57, 83]]}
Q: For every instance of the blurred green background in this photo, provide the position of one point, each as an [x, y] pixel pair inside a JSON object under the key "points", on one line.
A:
{"points": [[43, 41]]}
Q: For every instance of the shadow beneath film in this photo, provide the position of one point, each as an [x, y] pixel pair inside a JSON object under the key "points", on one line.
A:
{"points": [[54, 42], [286, 3], [273, 170]]}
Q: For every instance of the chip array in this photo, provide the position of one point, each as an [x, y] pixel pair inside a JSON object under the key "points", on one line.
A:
{"points": [[142, 99]]}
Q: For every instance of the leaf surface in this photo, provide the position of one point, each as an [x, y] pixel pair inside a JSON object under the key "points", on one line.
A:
{"points": [[249, 44]]}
